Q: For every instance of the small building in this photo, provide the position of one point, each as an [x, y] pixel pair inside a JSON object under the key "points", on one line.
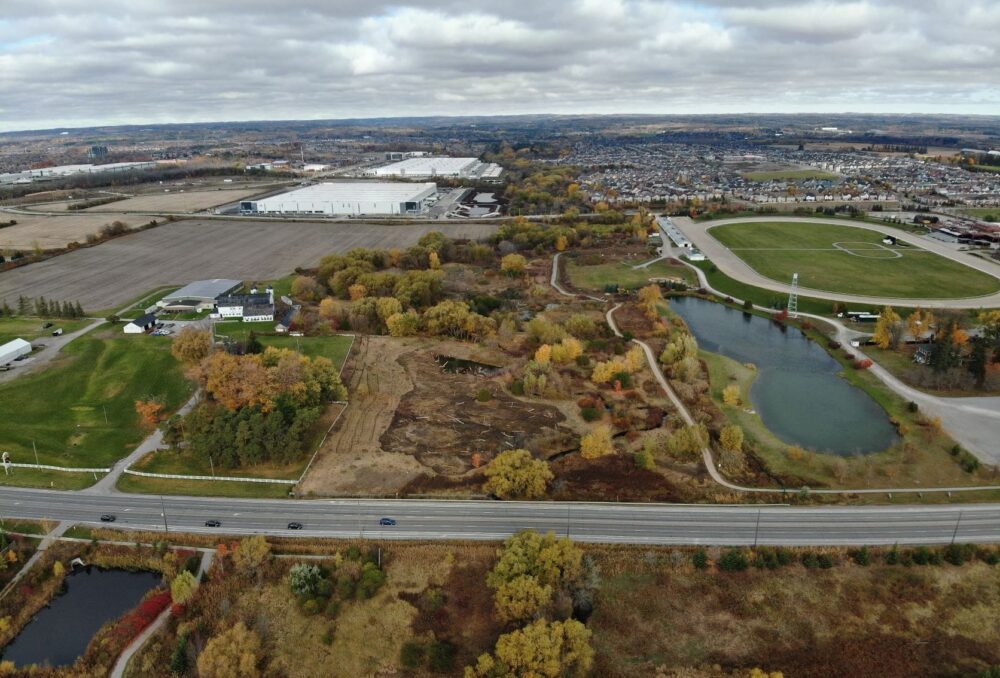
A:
{"points": [[13, 350], [250, 308], [285, 324], [141, 325], [695, 254]]}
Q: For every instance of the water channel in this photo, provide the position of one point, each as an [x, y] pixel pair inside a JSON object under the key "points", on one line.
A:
{"points": [[59, 633], [797, 392]]}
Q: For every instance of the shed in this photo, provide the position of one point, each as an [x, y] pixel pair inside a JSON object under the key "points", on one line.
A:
{"points": [[13, 350], [142, 324]]}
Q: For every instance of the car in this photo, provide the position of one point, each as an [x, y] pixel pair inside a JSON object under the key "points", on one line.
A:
{"points": [[294, 526], [387, 521], [107, 518], [213, 523]]}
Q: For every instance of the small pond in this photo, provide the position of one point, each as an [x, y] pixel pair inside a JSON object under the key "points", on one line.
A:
{"points": [[797, 392], [463, 366], [59, 634]]}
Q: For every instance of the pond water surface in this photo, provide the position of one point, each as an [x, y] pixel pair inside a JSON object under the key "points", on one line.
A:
{"points": [[797, 392], [59, 634]]}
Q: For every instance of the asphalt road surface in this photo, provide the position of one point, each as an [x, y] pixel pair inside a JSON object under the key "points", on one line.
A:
{"points": [[493, 520]]}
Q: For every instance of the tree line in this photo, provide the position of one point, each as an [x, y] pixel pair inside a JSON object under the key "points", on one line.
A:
{"points": [[43, 308]]}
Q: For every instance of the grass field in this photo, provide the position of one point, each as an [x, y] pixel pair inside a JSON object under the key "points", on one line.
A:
{"points": [[202, 488], [850, 260], [596, 277], [988, 213], [334, 347], [62, 409], [31, 328], [788, 175]]}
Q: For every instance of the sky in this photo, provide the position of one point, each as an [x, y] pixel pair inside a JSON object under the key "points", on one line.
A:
{"points": [[80, 63]]}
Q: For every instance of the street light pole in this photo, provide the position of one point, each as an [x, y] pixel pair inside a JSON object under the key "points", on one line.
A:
{"points": [[163, 514], [957, 523], [756, 529]]}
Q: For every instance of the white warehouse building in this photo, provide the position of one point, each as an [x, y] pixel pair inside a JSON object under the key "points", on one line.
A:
{"points": [[425, 166], [347, 198]]}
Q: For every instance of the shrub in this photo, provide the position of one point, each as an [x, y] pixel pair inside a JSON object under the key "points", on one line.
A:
{"points": [[912, 406], [824, 561], [483, 395], [959, 554], [809, 560], [441, 657], [861, 556], [921, 555], [310, 607], [411, 655], [700, 559], [589, 414], [644, 460], [733, 560]]}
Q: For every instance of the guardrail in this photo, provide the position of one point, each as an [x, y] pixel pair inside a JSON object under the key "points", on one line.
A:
{"points": [[175, 476], [67, 469]]}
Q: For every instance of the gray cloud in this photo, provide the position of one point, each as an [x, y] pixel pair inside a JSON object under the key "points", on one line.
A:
{"points": [[82, 62]]}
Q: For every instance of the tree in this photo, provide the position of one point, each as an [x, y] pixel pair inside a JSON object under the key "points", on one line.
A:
{"points": [[731, 438], [731, 395], [566, 351], [543, 354], [515, 474], [357, 291], [150, 412], [553, 561], [403, 324], [977, 361], [540, 650], [386, 307], [234, 653], [513, 265], [597, 443], [58, 569], [433, 261], [304, 579], [886, 328], [183, 587], [191, 345], [327, 308], [918, 322], [305, 288], [561, 243], [251, 554], [521, 598]]}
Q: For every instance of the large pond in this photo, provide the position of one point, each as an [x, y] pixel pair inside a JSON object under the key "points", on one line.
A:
{"points": [[59, 634], [797, 392]]}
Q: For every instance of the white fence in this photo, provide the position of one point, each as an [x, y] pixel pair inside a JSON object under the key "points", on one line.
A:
{"points": [[174, 476], [67, 469]]}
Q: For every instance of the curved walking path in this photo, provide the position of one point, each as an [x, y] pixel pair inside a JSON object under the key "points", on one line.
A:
{"points": [[732, 265], [554, 281]]}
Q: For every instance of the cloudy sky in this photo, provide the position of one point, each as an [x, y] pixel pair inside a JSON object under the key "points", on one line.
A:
{"points": [[90, 62]]}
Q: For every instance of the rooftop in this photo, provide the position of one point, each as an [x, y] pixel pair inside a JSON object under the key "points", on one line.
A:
{"points": [[206, 290], [354, 191]]}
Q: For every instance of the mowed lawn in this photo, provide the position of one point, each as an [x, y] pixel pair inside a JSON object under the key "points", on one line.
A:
{"points": [[334, 347], [779, 249], [31, 328], [62, 409], [597, 276]]}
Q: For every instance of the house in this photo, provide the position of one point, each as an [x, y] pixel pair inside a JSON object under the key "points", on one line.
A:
{"points": [[13, 350], [250, 308], [142, 324], [287, 319]]}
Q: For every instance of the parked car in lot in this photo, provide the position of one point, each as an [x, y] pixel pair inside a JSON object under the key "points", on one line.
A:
{"points": [[213, 523], [107, 518], [294, 526], [389, 522]]}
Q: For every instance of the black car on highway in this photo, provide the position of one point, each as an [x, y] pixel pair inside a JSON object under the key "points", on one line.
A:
{"points": [[107, 518], [294, 526], [213, 523]]}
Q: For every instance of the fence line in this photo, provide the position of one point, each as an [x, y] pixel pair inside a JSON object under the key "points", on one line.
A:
{"points": [[67, 469], [175, 476]]}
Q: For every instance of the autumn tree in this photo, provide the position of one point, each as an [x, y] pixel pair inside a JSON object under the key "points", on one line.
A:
{"points": [[357, 291], [540, 650], [251, 554], [731, 438], [919, 322], [515, 474], [554, 561], [191, 345], [731, 395], [886, 329], [403, 324], [150, 412], [561, 243], [305, 288], [183, 587], [234, 653], [683, 345], [328, 308], [543, 354], [648, 297], [566, 351], [597, 443], [521, 598], [513, 265], [433, 261]]}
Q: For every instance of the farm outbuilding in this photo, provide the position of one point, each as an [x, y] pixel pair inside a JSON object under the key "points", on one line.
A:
{"points": [[142, 324], [13, 350]]}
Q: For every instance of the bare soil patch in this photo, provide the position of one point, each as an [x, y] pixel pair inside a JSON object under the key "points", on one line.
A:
{"points": [[52, 232]]}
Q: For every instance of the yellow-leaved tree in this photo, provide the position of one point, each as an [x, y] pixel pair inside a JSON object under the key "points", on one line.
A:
{"points": [[515, 474], [597, 443], [234, 653]]}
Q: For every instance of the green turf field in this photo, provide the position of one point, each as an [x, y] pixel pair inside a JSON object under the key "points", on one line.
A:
{"points": [[988, 213], [62, 408], [850, 260]]}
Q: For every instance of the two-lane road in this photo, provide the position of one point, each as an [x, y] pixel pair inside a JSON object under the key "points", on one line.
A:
{"points": [[489, 520]]}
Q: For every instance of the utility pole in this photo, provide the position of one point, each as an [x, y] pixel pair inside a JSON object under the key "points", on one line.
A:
{"points": [[36, 452], [756, 529], [567, 521], [163, 513], [957, 523]]}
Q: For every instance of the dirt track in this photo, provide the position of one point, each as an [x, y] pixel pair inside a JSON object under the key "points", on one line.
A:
{"points": [[111, 274]]}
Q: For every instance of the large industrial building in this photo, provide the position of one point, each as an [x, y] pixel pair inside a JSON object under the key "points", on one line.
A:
{"points": [[347, 198], [424, 166]]}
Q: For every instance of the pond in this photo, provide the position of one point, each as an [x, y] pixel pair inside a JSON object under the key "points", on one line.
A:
{"points": [[59, 634], [463, 366], [797, 392]]}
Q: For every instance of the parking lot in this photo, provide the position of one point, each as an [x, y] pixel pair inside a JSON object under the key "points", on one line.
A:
{"points": [[111, 274]]}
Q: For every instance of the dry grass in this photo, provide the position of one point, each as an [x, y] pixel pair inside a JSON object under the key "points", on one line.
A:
{"points": [[52, 232]]}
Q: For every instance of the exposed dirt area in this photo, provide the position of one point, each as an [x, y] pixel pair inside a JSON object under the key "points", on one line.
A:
{"points": [[178, 200], [110, 274], [412, 425], [52, 232]]}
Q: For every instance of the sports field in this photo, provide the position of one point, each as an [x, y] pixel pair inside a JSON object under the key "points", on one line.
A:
{"points": [[850, 260], [787, 175]]}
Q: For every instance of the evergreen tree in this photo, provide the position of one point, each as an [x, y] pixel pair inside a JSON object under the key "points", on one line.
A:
{"points": [[179, 660], [7, 310], [253, 344], [23, 305], [943, 350], [41, 307], [977, 362], [78, 311]]}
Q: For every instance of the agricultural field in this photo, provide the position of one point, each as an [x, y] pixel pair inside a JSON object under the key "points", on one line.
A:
{"points": [[850, 260], [788, 175], [107, 276], [56, 231], [80, 411], [595, 272], [178, 200]]}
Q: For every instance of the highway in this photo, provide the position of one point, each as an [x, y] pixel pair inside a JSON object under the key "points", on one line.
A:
{"points": [[493, 520]]}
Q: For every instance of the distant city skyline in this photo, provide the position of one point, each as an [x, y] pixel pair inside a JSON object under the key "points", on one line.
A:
{"points": [[71, 63]]}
